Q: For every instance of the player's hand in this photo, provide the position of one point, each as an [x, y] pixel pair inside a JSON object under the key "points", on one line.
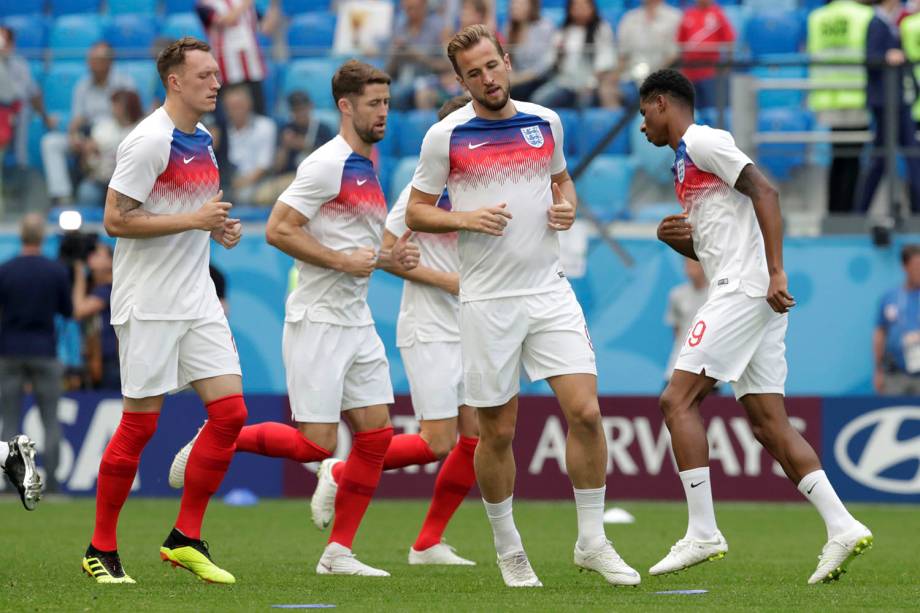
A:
{"points": [[360, 263], [213, 213], [561, 213], [488, 220], [675, 228], [405, 252], [878, 380], [229, 234], [778, 293]]}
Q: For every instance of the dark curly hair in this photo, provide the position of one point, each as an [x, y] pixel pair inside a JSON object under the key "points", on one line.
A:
{"points": [[668, 81]]}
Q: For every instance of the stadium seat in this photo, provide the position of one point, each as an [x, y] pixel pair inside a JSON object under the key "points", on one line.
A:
{"points": [[390, 144], [571, 121], [31, 33], [72, 35], [21, 7], [781, 159], [313, 76], [654, 212], [738, 16], [780, 98], [134, 7], [144, 75], [605, 185], [178, 25], [270, 87], [412, 129], [59, 82], [171, 7], [70, 7], [310, 34], [654, 162], [775, 31], [296, 7], [612, 16], [401, 175], [554, 14], [595, 123], [771, 5], [607, 5], [131, 35]]}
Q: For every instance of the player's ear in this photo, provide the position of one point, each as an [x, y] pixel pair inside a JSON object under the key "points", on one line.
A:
{"points": [[344, 105], [507, 60]]}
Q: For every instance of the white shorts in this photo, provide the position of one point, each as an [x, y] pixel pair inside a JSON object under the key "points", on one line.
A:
{"points": [[546, 332], [738, 339], [330, 369], [159, 356], [435, 373]]}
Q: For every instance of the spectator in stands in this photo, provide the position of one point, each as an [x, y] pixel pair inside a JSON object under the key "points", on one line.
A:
{"points": [[683, 303], [647, 38], [414, 51], [527, 36], [92, 103], [896, 341], [250, 143], [300, 137], [584, 51], [92, 307], [98, 155], [20, 92], [884, 54], [705, 36], [233, 28], [433, 91], [33, 290]]}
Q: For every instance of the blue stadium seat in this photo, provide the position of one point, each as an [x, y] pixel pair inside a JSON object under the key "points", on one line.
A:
{"points": [[131, 35], [775, 31], [178, 25], [172, 7], [607, 5], [554, 14], [412, 129], [311, 34], [772, 5], [389, 146], [313, 76], [270, 87], [133, 7], [59, 82], [72, 35], [781, 159], [654, 162], [595, 123], [780, 98], [656, 211], [605, 185], [144, 74], [296, 7], [31, 33], [571, 121], [21, 7], [401, 175], [738, 16], [612, 16], [69, 7]]}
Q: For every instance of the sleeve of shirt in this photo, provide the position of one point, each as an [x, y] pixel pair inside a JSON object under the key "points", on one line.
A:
{"points": [[557, 163], [718, 154], [77, 101], [317, 182], [434, 161], [396, 218], [140, 159]]}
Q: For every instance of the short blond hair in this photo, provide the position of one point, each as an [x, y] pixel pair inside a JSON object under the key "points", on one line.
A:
{"points": [[468, 38]]}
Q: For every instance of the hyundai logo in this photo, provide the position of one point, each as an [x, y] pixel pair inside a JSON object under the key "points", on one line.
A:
{"points": [[882, 450]]}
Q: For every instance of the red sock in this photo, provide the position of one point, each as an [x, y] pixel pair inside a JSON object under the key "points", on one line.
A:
{"points": [[116, 473], [279, 441], [357, 483], [404, 450], [454, 481], [209, 460]]}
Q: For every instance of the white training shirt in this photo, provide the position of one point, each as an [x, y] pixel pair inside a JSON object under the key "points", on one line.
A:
{"points": [[427, 314], [170, 172], [338, 191], [726, 237], [485, 163]]}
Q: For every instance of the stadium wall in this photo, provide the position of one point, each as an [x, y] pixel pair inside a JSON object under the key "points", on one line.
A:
{"points": [[870, 448]]}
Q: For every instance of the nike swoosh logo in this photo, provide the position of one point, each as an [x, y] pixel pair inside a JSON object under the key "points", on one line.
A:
{"points": [[813, 486], [477, 146], [692, 485], [187, 160], [360, 182]]}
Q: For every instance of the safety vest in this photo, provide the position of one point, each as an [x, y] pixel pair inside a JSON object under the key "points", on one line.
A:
{"points": [[837, 32], [910, 42]]}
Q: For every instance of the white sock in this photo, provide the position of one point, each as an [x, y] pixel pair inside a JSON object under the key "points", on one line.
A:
{"points": [[4, 453], [589, 505], [701, 522], [507, 538], [816, 487]]}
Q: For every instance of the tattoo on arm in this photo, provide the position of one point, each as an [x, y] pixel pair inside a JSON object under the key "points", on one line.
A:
{"points": [[129, 207]]}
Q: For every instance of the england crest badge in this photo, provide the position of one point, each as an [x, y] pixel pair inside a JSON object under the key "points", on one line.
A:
{"points": [[213, 157], [533, 136], [680, 170]]}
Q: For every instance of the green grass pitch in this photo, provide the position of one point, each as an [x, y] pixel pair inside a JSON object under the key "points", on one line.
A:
{"points": [[272, 548]]}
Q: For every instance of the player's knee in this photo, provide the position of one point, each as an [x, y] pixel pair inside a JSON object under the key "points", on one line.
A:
{"points": [[585, 416], [230, 415], [442, 445], [498, 437]]}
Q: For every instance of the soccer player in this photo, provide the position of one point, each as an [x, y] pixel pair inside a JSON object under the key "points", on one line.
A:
{"points": [[17, 459], [503, 164], [732, 225], [330, 219], [163, 205]]}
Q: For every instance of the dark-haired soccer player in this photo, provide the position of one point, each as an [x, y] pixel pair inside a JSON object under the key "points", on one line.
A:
{"points": [[503, 163], [164, 205], [732, 225]]}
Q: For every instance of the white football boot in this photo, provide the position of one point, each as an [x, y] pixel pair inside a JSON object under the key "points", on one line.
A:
{"points": [[608, 563], [339, 560], [839, 552], [440, 554], [689, 552], [322, 504], [516, 570], [177, 468]]}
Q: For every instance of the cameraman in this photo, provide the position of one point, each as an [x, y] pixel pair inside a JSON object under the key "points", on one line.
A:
{"points": [[91, 306], [33, 289]]}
